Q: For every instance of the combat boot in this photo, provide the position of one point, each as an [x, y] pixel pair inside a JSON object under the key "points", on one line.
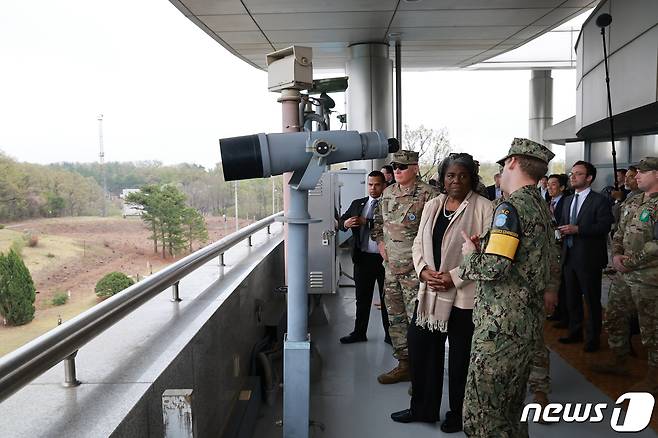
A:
{"points": [[398, 374], [617, 366], [649, 383]]}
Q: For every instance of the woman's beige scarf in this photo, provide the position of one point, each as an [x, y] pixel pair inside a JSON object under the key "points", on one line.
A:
{"points": [[433, 306], [434, 309]]}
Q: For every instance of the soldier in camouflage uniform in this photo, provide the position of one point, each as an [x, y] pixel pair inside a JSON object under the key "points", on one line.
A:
{"points": [[395, 226], [635, 257], [539, 381], [515, 265]]}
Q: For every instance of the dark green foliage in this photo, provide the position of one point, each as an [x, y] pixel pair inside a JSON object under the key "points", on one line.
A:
{"points": [[172, 223], [205, 189], [17, 291], [31, 190], [55, 204], [113, 283], [60, 299], [74, 189]]}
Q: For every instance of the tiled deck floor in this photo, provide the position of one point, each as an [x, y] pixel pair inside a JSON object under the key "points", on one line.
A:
{"points": [[349, 402]]}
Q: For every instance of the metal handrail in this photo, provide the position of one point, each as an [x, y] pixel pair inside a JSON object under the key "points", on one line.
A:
{"points": [[23, 365]]}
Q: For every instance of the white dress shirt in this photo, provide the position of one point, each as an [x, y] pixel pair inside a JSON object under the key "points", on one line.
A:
{"points": [[581, 198], [368, 213]]}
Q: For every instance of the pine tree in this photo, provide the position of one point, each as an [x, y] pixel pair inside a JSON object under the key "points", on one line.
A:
{"points": [[17, 292], [195, 227]]}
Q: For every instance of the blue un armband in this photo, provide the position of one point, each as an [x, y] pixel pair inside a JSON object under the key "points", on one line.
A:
{"points": [[505, 232]]}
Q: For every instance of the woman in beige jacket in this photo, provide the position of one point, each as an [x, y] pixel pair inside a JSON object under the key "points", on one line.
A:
{"points": [[445, 302]]}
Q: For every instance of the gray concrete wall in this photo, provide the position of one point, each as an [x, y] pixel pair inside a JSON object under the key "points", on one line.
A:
{"points": [[208, 363]]}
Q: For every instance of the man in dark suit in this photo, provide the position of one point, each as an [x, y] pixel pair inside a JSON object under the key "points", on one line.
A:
{"points": [[389, 175], [368, 266], [586, 219], [493, 191], [543, 188], [557, 184]]}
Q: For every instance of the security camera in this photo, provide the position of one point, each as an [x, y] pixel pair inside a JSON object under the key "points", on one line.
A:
{"points": [[265, 155]]}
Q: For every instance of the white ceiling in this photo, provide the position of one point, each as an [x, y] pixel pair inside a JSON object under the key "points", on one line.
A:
{"points": [[434, 34]]}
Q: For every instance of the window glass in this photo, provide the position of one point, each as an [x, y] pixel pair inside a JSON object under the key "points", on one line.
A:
{"points": [[644, 146], [601, 152]]}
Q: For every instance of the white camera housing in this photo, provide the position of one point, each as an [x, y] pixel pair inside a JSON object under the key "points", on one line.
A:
{"points": [[291, 67]]}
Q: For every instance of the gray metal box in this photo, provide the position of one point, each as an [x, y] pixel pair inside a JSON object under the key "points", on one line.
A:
{"points": [[330, 198]]}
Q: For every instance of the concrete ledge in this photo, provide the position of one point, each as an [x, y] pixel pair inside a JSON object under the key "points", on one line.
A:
{"points": [[203, 342]]}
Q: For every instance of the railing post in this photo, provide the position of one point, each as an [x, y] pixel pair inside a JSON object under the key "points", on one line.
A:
{"points": [[249, 240], [174, 293], [269, 231], [221, 260], [70, 379]]}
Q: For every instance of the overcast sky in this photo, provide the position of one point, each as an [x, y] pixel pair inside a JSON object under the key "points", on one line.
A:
{"points": [[168, 92]]}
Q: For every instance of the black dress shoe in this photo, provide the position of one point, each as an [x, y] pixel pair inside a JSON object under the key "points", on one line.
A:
{"points": [[591, 347], [570, 340], [561, 325], [452, 423], [352, 338], [406, 416]]}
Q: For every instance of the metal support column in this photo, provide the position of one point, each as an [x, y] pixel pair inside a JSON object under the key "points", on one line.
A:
{"points": [[297, 346], [541, 105], [290, 99], [70, 378], [370, 94], [398, 91], [175, 296]]}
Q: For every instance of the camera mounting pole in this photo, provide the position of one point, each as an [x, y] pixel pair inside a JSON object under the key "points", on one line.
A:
{"points": [[297, 346]]}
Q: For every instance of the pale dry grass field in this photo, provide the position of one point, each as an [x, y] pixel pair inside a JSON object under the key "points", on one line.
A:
{"points": [[72, 254]]}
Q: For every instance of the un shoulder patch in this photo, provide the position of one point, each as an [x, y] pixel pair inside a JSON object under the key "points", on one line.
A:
{"points": [[505, 232]]}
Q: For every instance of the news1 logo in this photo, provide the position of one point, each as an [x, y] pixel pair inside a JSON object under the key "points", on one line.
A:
{"points": [[638, 412]]}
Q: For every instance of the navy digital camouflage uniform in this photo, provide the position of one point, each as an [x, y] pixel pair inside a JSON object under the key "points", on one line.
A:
{"points": [[515, 266], [637, 237], [396, 222], [540, 366]]}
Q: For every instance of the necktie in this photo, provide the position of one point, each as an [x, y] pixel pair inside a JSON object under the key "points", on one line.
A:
{"points": [[573, 218], [368, 212], [553, 207]]}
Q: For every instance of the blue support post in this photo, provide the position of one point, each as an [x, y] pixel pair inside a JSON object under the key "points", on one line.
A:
{"points": [[297, 346]]}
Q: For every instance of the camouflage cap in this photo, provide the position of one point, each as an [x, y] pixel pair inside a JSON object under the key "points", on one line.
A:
{"points": [[405, 157], [528, 148], [648, 163]]}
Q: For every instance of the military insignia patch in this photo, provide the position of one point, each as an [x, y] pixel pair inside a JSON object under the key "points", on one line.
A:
{"points": [[505, 232], [411, 217], [644, 216]]}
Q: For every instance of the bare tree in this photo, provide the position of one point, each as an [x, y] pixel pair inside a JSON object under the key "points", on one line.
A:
{"points": [[431, 144]]}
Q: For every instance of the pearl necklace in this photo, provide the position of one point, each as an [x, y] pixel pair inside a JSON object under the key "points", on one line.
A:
{"points": [[448, 216]]}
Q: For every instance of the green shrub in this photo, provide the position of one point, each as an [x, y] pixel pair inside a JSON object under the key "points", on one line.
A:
{"points": [[17, 246], [113, 283], [1, 226], [17, 291], [60, 299]]}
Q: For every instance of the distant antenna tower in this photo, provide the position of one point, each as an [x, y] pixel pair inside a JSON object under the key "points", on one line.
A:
{"points": [[101, 157]]}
